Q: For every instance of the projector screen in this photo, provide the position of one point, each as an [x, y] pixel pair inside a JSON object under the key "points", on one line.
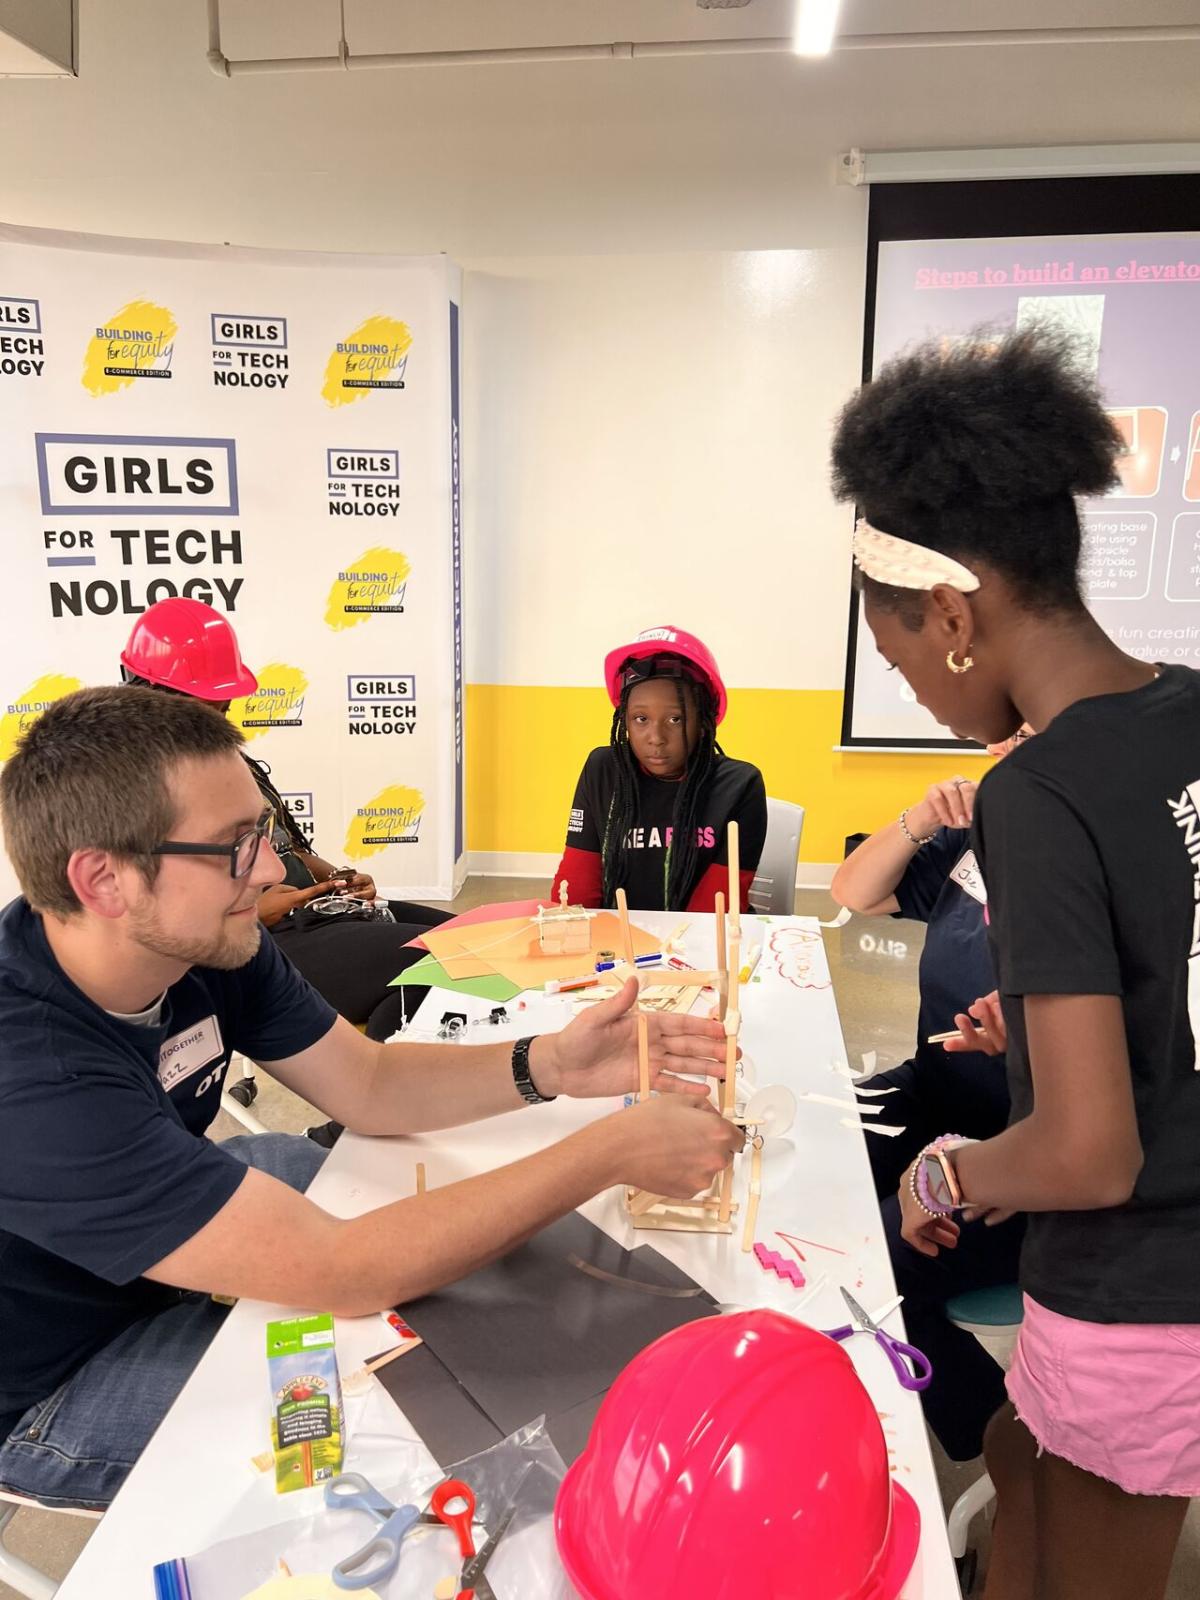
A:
{"points": [[1132, 304]]}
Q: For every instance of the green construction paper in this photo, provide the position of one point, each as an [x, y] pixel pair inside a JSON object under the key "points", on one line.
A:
{"points": [[431, 974]]}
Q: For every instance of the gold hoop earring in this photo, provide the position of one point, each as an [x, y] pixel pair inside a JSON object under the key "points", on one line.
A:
{"points": [[967, 662]]}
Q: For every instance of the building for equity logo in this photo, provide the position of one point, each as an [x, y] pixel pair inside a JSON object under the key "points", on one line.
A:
{"points": [[374, 356], [249, 352], [23, 711], [22, 348], [375, 583], [138, 341], [381, 703], [90, 481], [278, 702], [393, 816], [363, 483]]}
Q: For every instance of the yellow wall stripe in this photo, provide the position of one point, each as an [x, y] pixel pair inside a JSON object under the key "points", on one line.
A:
{"points": [[526, 745]]}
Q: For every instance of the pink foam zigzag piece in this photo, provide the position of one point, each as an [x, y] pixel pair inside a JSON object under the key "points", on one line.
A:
{"points": [[772, 1261]]}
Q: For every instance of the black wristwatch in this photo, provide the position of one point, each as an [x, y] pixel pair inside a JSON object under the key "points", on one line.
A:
{"points": [[526, 1087]]}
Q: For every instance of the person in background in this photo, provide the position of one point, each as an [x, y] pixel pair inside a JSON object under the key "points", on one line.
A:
{"points": [[923, 867], [185, 647], [652, 806], [967, 459]]}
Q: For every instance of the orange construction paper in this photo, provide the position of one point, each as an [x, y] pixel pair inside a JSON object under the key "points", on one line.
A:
{"points": [[510, 948]]}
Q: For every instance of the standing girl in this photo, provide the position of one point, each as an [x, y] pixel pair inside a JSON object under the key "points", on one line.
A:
{"points": [[965, 462]]}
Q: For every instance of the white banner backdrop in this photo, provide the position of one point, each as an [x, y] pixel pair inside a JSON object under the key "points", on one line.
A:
{"points": [[275, 434]]}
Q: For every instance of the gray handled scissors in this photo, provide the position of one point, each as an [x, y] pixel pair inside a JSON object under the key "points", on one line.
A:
{"points": [[911, 1366], [376, 1560]]}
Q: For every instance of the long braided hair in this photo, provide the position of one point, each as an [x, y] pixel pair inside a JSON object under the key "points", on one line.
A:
{"points": [[697, 705]]}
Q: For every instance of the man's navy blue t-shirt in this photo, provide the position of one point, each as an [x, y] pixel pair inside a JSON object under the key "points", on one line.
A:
{"points": [[104, 1167]]}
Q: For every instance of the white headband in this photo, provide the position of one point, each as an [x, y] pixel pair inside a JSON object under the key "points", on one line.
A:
{"points": [[902, 565]]}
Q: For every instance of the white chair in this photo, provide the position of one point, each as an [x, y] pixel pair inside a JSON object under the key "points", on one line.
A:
{"points": [[18, 1574], [994, 1317], [773, 892], [239, 1093]]}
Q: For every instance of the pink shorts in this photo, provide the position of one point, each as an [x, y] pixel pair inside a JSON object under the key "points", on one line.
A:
{"points": [[1121, 1400]]}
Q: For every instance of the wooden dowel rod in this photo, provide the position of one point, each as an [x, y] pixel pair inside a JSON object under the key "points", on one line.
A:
{"points": [[735, 881], [626, 930]]}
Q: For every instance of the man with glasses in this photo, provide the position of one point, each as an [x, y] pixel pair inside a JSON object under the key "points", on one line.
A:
{"points": [[130, 968]]}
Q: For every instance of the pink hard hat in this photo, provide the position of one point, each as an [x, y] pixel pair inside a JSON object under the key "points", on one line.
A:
{"points": [[184, 645], [665, 641], [738, 1455]]}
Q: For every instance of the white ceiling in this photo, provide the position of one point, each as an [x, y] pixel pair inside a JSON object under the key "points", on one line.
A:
{"points": [[310, 27], [713, 152]]}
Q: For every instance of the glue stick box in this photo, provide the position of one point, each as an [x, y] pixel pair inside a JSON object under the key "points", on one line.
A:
{"points": [[306, 1402]]}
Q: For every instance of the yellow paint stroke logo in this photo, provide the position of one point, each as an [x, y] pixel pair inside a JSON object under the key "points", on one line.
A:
{"points": [[375, 582], [136, 342], [374, 356], [278, 702], [20, 714], [392, 817]]}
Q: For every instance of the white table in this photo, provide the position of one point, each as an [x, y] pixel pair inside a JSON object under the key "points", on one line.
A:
{"points": [[194, 1484]]}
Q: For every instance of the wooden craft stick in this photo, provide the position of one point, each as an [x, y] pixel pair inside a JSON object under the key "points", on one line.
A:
{"points": [[643, 1032], [753, 1197], [941, 1038], [725, 1208], [735, 882], [642, 1202], [722, 958], [732, 1013], [420, 1177], [626, 930]]}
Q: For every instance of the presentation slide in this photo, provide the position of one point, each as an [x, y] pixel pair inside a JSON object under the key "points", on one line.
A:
{"points": [[1132, 301]]}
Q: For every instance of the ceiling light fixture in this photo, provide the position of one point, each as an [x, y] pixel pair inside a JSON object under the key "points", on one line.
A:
{"points": [[816, 26]]}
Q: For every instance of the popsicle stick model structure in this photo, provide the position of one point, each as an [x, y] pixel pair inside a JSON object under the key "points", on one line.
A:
{"points": [[713, 1211], [563, 930]]}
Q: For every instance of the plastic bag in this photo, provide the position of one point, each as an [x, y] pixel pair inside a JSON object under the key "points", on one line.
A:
{"points": [[525, 1565]]}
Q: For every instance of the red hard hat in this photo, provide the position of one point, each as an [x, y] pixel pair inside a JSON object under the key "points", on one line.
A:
{"points": [[738, 1455], [187, 646], [666, 641]]}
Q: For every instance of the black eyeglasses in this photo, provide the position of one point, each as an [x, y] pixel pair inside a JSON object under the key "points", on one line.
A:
{"points": [[242, 853]]}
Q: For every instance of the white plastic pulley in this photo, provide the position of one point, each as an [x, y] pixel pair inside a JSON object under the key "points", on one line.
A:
{"points": [[772, 1110]]}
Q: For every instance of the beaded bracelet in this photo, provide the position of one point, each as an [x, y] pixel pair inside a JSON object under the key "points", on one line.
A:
{"points": [[911, 837]]}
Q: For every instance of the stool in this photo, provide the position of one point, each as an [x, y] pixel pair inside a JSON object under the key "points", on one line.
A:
{"points": [[18, 1574], [994, 1316]]}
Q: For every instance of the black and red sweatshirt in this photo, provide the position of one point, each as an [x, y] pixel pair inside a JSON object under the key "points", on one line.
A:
{"points": [[735, 793]]}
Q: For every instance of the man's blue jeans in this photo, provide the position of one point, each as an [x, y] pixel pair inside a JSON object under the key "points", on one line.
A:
{"points": [[76, 1447]]}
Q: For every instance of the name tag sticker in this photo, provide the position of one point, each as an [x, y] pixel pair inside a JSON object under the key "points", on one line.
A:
{"points": [[967, 875], [189, 1052]]}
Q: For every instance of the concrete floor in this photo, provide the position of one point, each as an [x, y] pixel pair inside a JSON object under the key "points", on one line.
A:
{"points": [[874, 966]]}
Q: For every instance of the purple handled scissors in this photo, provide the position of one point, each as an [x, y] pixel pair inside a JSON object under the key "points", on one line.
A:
{"points": [[911, 1366]]}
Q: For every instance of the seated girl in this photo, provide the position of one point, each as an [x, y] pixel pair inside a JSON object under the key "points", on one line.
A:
{"points": [[652, 807]]}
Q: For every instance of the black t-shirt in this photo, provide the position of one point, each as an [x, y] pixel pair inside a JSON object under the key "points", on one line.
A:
{"points": [[1089, 838], [104, 1167], [734, 793], [943, 887]]}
